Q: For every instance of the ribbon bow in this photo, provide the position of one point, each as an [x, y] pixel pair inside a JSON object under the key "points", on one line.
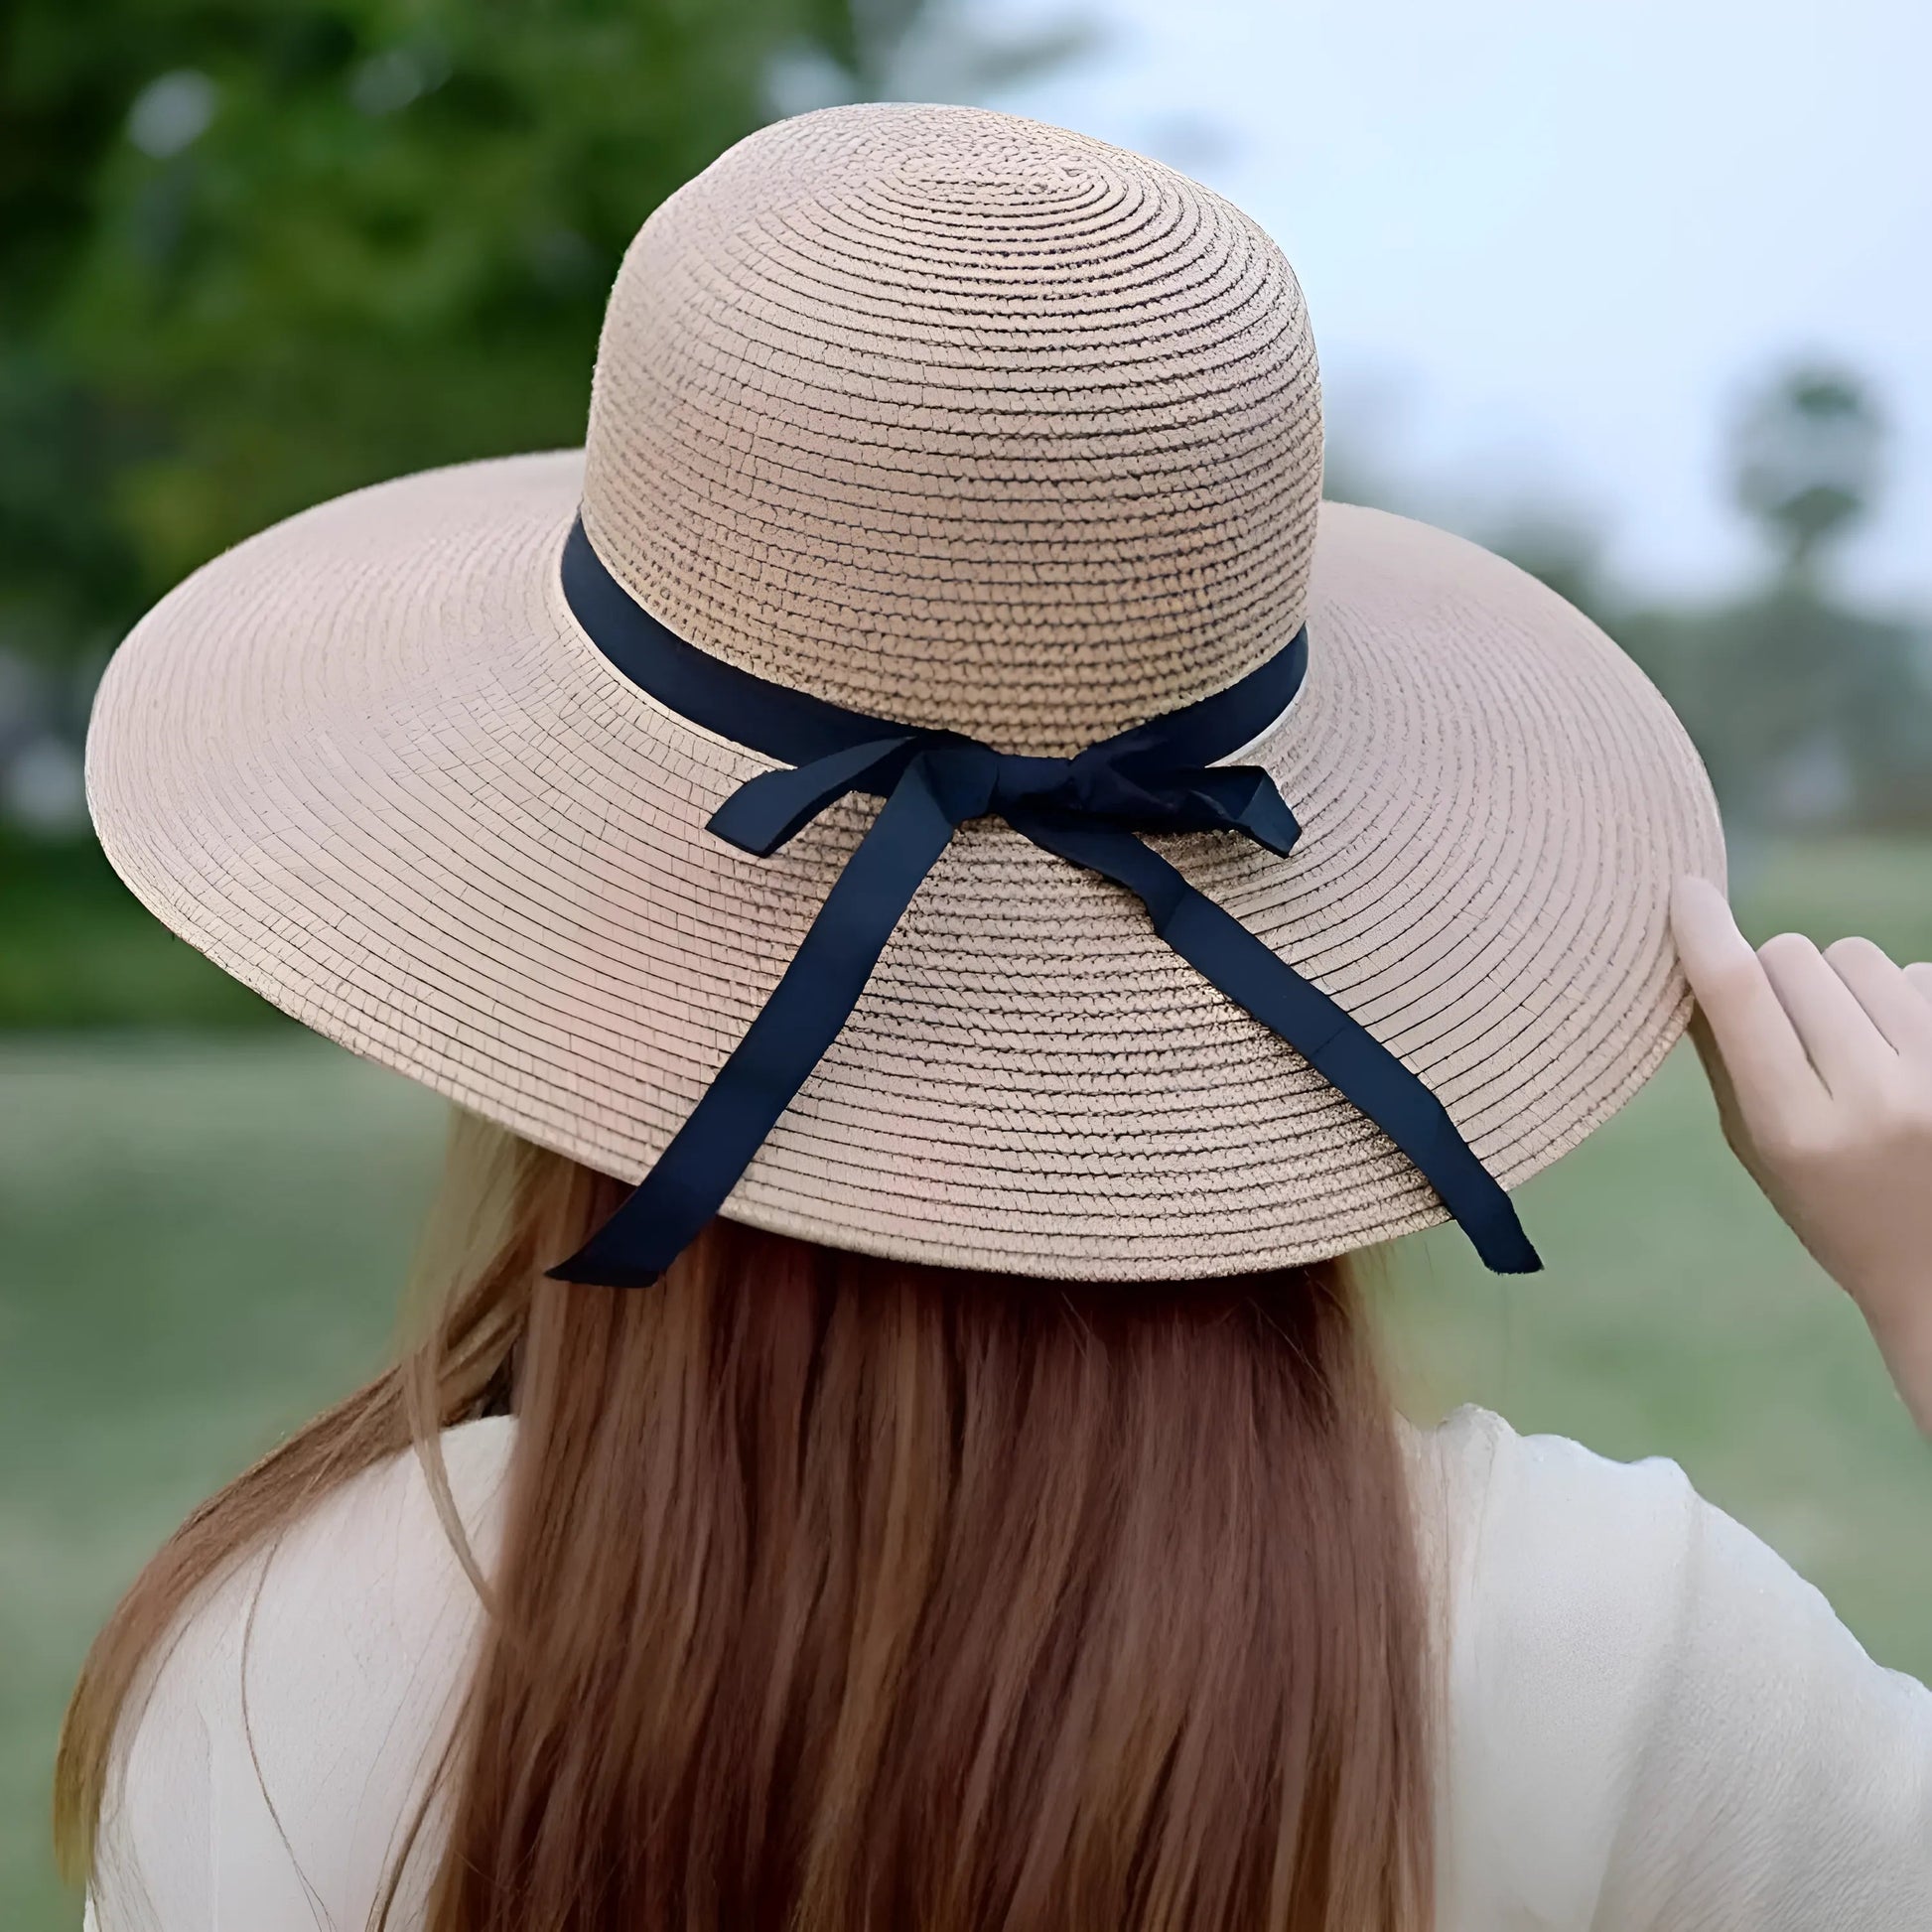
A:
{"points": [[1089, 810]]}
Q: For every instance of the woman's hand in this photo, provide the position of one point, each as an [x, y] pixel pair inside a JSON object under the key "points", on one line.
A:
{"points": [[1822, 1067]]}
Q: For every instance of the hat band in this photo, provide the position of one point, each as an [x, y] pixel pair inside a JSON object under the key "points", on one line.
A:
{"points": [[1089, 810]]}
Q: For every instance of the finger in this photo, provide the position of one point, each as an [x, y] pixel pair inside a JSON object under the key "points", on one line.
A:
{"points": [[1894, 1006], [1851, 1054], [1918, 976], [1738, 1131], [1715, 1070], [1756, 1045]]}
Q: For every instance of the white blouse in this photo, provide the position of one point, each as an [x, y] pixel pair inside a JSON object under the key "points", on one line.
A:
{"points": [[1653, 1721]]}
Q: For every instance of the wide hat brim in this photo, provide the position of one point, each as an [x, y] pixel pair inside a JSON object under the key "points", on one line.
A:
{"points": [[370, 765]]}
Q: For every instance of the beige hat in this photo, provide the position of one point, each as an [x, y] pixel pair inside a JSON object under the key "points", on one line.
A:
{"points": [[995, 442]]}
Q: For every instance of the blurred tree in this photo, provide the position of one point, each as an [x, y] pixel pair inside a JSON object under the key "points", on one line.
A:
{"points": [[1806, 460], [257, 252], [1807, 709]]}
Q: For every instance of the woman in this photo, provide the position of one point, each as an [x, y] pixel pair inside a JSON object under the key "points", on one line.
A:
{"points": [[954, 1486]]}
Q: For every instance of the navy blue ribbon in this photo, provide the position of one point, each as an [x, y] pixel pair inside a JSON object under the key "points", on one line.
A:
{"points": [[1160, 777]]}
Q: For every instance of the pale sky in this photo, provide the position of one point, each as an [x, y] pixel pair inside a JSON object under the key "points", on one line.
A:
{"points": [[1547, 242]]}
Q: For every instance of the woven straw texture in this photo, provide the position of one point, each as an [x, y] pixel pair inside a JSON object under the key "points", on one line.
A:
{"points": [[972, 422], [962, 420]]}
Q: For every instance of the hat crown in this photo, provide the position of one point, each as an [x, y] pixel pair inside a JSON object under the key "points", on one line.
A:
{"points": [[959, 419]]}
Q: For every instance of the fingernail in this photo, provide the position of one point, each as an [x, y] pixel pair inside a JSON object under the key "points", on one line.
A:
{"points": [[1688, 890], [1692, 898]]}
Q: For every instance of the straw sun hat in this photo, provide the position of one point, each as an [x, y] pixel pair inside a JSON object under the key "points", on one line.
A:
{"points": [[938, 447]]}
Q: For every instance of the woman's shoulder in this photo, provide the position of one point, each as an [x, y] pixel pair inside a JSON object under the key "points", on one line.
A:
{"points": [[365, 1582], [1570, 1580], [371, 1558], [1582, 1570], [1641, 1692], [1588, 1571], [297, 1709], [1486, 1488]]}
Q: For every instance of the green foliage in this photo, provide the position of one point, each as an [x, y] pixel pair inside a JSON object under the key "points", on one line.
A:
{"points": [[80, 951], [1806, 708], [260, 251]]}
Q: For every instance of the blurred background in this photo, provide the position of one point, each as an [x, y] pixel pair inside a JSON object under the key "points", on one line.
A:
{"points": [[1637, 295]]}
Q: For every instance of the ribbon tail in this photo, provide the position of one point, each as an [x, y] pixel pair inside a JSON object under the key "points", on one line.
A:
{"points": [[797, 1023], [1245, 798], [1337, 1047]]}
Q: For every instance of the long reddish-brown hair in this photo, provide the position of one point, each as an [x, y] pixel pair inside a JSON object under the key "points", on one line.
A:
{"points": [[842, 1593]]}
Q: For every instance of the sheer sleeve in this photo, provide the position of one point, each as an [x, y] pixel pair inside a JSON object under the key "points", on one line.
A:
{"points": [[1655, 1722], [282, 1739]]}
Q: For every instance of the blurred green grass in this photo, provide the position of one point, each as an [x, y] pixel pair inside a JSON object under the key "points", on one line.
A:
{"points": [[204, 1234]]}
